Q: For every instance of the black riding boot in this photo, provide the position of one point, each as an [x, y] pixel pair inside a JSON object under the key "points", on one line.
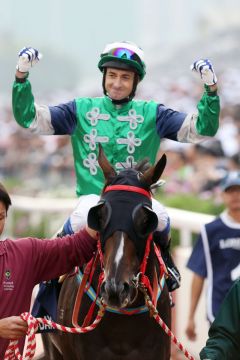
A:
{"points": [[174, 279], [62, 233]]}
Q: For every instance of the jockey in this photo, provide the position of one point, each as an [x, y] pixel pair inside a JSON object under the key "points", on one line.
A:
{"points": [[127, 129]]}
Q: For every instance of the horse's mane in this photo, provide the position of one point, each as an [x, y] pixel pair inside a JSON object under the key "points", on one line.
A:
{"points": [[140, 167]]}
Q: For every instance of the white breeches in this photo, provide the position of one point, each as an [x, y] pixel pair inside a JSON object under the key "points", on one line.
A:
{"points": [[78, 218]]}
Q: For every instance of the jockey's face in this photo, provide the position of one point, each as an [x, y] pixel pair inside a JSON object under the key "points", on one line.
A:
{"points": [[3, 215], [119, 83]]}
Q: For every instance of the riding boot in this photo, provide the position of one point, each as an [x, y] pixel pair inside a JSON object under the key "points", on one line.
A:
{"points": [[174, 279]]}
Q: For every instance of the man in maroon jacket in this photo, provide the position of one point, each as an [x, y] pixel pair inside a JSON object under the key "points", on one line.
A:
{"points": [[28, 261]]}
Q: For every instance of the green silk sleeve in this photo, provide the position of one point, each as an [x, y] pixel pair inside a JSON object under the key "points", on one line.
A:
{"points": [[208, 113], [23, 103]]}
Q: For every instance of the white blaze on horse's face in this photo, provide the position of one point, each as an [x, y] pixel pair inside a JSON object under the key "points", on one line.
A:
{"points": [[119, 253], [117, 258], [120, 267]]}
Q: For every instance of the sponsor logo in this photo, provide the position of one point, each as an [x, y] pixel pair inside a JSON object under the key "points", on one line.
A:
{"points": [[8, 274], [7, 284]]}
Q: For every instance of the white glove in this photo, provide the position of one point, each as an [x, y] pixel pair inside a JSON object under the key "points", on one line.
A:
{"points": [[28, 57], [206, 71]]}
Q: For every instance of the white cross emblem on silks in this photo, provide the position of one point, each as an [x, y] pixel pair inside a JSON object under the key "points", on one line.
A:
{"points": [[130, 141], [93, 139], [91, 163], [130, 163], [133, 119], [94, 115]]}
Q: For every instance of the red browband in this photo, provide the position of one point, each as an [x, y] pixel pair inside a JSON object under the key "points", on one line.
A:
{"points": [[129, 188]]}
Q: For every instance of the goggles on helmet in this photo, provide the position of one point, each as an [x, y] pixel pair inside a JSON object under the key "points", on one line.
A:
{"points": [[125, 53]]}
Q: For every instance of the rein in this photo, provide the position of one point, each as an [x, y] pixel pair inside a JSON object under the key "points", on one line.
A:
{"points": [[13, 351], [141, 282], [141, 277], [88, 274], [153, 311]]}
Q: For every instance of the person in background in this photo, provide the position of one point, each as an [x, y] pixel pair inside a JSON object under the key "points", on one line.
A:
{"points": [[223, 342], [25, 262], [216, 255], [127, 129]]}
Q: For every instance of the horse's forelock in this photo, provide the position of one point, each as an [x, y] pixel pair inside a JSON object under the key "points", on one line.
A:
{"points": [[142, 165], [129, 176]]}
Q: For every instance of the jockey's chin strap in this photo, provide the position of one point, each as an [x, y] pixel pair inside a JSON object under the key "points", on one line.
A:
{"points": [[140, 280]]}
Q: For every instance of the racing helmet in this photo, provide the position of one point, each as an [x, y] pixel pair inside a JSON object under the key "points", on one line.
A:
{"points": [[123, 55]]}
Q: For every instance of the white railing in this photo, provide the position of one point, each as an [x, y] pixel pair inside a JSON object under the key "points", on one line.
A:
{"points": [[186, 222], [36, 209], [43, 204]]}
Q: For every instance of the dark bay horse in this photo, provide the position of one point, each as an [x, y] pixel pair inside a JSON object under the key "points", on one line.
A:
{"points": [[125, 220]]}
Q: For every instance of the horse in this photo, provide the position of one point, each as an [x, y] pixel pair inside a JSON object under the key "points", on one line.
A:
{"points": [[125, 221]]}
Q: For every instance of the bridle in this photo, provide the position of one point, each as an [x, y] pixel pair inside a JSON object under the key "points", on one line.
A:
{"points": [[141, 277], [140, 280]]}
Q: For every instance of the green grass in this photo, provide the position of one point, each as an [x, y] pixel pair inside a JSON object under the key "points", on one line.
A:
{"points": [[189, 202]]}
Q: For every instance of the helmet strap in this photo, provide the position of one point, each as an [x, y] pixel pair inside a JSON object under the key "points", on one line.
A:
{"points": [[129, 97]]}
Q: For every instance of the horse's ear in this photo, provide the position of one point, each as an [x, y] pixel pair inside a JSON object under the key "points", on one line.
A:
{"points": [[154, 173], [144, 219], [99, 216], [105, 165]]}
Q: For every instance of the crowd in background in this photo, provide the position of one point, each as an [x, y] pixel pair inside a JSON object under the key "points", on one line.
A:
{"points": [[37, 164]]}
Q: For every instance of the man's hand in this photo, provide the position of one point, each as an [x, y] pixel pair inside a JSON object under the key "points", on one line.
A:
{"points": [[13, 327], [191, 330], [28, 57], [206, 71]]}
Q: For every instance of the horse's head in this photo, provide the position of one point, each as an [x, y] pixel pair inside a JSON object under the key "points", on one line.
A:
{"points": [[124, 219]]}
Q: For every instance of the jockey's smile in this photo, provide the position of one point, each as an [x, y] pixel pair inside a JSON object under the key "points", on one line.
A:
{"points": [[119, 83]]}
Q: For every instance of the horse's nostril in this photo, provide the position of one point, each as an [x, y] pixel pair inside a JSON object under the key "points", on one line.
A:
{"points": [[126, 287], [114, 290]]}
